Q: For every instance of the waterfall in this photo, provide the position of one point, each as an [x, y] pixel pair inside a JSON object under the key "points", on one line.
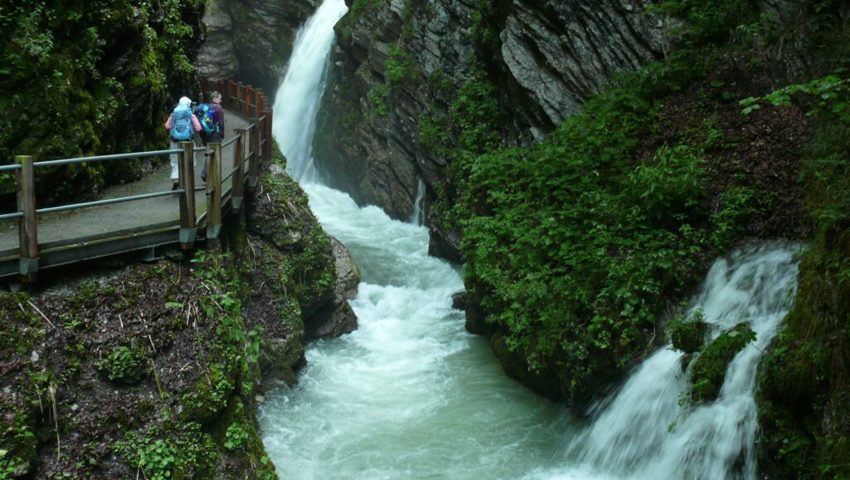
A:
{"points": [[643, 431], [297, 101], [418, 215], [411, 395]]}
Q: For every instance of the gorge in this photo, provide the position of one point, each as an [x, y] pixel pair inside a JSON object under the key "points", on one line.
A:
{"points": [[597, 241]]}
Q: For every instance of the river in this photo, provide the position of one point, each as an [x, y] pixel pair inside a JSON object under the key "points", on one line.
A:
{"points": [[411, 395]]}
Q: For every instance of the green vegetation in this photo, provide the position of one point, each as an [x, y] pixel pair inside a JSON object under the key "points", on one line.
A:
{"points": [[804, 387], [399, 66], [71, 81], [173, 451], [709, 368], [124, 365], [575, 247], [687, 334]]}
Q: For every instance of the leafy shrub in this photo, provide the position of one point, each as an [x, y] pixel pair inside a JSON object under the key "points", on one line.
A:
{"points": [[671, 185], [399, 65], [124, 365]]}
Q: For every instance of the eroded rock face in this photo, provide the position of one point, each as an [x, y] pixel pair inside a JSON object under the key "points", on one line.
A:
{"points": [[251, 40], [399, 66], [337, 317], [561, 53]]}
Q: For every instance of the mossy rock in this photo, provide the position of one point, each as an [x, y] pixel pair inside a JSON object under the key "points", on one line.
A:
{"points": [[688, 334], [709, 369], [211, 394]]}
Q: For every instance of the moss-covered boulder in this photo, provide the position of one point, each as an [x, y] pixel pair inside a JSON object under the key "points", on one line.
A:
{"points": [[687, 334], [709, 368]]}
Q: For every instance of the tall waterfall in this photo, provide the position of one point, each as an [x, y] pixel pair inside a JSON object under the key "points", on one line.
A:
{"points": [[411, 395], [298, 98]]}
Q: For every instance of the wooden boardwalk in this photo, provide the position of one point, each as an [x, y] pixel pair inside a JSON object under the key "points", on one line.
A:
{"points": [[88, 232]]}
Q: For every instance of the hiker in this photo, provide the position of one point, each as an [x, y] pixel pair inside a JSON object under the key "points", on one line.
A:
{"points": [[181, 126], [211, 117]]}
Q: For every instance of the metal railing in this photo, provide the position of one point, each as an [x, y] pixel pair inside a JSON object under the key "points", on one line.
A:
{"points": [[250, 148]]}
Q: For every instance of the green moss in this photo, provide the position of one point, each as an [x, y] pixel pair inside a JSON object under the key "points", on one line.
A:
{"points": [[688, 334], [124, 364], [378, 97], [399, 66], [178, 451], [709, 368]]}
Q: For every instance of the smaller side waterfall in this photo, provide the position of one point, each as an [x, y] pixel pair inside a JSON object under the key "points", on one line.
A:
{"points": [[300, 94], [645, 432], [418, 215]]}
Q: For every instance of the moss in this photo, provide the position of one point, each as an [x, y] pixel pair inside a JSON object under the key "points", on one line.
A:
{"points": [[688, 334], [709, 368], [177, 451]]}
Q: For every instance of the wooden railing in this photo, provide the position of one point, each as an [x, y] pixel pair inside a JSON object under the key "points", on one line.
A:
{"points": [[251, 148]]}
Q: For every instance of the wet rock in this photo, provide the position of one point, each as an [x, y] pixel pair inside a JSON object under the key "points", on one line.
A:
{"points": [[337, 317], [251, 40]]}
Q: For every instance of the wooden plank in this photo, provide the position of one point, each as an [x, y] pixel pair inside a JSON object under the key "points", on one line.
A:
{"points": [[28, 224]]}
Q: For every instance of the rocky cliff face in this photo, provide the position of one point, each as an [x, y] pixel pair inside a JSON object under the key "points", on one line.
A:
{"points": [[399, 67], [250, 40]]}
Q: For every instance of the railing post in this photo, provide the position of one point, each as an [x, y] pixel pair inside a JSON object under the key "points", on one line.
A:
{"points": [[247, 100], [28, 226], [253, 161], [268, 152], [230, 89], [238, 107], [237, 192], [213, 190], [188, 231]]}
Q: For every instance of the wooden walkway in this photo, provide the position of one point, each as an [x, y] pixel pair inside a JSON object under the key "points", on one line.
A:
{"points": [[147, 214]]}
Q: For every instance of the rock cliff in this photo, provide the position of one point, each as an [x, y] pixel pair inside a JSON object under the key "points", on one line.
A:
{"points": [[399, 70], [250, 40]]}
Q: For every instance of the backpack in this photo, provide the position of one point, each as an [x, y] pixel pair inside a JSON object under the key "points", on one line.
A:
{"points": [[205, 116], [181, 124]]}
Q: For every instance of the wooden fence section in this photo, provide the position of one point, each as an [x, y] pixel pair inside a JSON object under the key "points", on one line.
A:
{"points": [[226, 182]]}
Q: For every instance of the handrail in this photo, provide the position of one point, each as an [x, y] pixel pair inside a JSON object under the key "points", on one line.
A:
{"points": [[229, 142], [252, 148], [109, 201], [100, 158]]}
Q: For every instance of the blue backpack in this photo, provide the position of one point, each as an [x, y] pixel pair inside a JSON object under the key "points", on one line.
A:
{"points": [[205, 117], [181, 124]]}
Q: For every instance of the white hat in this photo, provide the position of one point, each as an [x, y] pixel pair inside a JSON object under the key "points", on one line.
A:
{"points": [[185, 101]]}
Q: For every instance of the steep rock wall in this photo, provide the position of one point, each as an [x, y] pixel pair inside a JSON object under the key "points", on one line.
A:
{"points": [[250, 40], [398, 67]]}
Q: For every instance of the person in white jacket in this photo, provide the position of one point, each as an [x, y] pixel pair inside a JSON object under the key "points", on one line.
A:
{"points": [[181, 125]]}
